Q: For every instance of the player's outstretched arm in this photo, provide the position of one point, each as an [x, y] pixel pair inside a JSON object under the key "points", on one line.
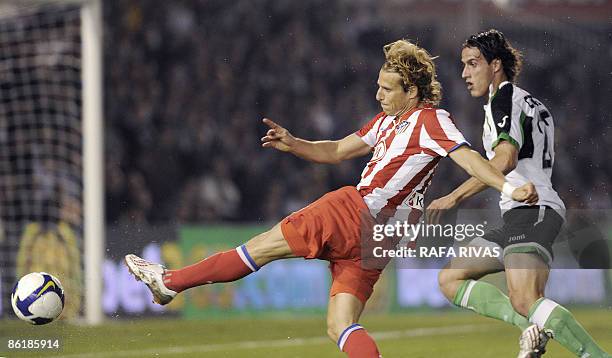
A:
{"points": [[481, 169], [325, 151], [505, 160]]}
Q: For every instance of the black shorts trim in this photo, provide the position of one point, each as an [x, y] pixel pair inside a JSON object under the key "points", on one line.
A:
{"points": [[530, 229]]}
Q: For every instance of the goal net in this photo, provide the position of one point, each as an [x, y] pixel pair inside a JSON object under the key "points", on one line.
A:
{"points": [[42, 147]]}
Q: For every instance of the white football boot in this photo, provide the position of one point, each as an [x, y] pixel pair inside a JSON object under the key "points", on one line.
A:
{"points": [[152, 275], [532, 343]]}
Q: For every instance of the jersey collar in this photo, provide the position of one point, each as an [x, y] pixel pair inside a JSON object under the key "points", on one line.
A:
{"points": [[491, 93], [407, 115]]}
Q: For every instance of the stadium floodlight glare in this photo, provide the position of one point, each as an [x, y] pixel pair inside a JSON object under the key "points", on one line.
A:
{"points": [[51, 131]]}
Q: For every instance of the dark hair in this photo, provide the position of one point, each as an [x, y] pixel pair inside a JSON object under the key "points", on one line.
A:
{"points": [[492, 44]]}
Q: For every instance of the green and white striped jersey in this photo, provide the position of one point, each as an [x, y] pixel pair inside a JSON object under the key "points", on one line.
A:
{"points": [[512, 114]]}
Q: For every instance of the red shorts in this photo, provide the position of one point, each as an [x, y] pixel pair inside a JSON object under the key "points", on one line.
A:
{"points": [[331, 229]]}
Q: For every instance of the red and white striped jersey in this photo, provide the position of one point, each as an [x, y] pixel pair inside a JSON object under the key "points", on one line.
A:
{"points": [[405, 153]]}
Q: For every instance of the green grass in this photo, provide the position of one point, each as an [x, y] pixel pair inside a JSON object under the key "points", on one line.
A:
{"points": [[442, 334]]}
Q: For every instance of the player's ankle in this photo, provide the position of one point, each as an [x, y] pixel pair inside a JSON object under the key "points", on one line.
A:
{"points": [[169, 283]]}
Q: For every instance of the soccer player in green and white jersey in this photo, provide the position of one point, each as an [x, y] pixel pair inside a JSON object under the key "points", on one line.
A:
{"points": [[519, 140]]}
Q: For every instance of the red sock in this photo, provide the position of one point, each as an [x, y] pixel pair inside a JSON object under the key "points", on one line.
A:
{"points": [[221, 267], [357, 343]]}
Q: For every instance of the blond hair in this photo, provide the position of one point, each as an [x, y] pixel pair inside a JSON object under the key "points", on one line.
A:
{"points": [[416, 67]]}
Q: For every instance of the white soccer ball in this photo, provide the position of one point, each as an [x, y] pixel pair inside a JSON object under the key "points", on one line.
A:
{"points": [[38, 298]]}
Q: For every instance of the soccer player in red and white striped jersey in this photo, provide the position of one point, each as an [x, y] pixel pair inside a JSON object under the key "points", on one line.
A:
{"points": [[407, 150], [407, 139]]}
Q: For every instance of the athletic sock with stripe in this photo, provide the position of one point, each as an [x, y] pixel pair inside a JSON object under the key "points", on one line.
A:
{"points": [[357, 343], [487, 300], [221, 267], [558, 321]]}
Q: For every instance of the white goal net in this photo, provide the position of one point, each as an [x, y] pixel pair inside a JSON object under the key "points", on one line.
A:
{"points": [[42, 186]]}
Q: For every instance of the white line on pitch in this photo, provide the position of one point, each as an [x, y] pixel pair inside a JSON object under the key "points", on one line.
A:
{"points": [[290, 342]]}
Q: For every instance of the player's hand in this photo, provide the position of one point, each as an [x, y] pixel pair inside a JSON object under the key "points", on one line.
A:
{"points": [[437, 207], [526, 194], [277, 137]]}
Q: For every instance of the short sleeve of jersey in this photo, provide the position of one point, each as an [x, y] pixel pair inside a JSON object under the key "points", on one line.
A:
{"points": [[369, 130], [506, 117], [439, 132]]}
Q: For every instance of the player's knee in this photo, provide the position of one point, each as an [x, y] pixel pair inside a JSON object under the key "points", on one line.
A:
{"points": [[449, 281], [268, 246], [522, 301]]}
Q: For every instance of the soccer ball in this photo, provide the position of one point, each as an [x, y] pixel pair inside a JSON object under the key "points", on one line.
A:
{"points": [[38, 298]]}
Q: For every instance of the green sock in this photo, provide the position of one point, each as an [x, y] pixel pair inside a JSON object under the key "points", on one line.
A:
{"points": [[487, 300], [564, 328]]}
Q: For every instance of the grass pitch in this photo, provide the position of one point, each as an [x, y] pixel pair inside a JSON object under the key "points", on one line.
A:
{"points": [[450, 333]]}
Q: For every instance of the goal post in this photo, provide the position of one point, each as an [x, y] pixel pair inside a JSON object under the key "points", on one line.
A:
{"points": [[93, 157], [52, 161]]}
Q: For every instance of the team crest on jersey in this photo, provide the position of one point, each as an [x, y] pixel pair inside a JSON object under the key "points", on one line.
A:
{"points": [[401, 128]]}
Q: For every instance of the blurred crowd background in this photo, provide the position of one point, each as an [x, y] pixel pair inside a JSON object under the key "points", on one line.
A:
{"points": [[188, 82]]}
